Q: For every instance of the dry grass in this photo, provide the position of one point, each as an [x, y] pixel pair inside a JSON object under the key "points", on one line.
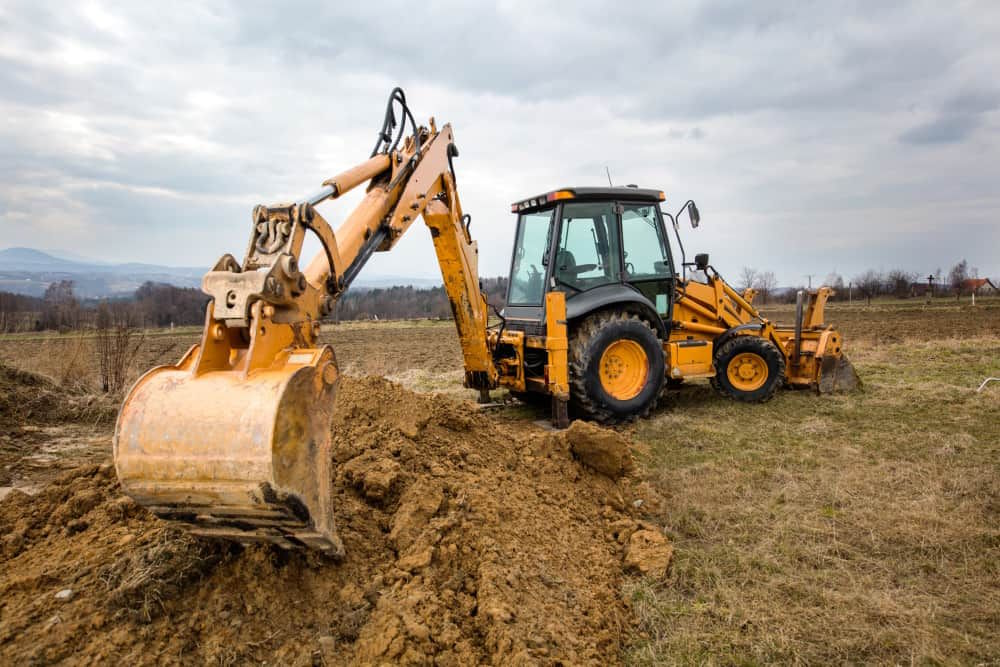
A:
{"points": [[69, 359], [860, 529], [143, 577]]}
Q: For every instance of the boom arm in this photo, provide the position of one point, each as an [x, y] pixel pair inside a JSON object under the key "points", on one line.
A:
{"points": [[417, 179]]}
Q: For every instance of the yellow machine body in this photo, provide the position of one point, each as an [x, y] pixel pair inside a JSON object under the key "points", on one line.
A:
{"points": [[703, 312], [233, 441]]}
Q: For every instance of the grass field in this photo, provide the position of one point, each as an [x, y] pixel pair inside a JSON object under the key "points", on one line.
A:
{"points": [[860, 528]]}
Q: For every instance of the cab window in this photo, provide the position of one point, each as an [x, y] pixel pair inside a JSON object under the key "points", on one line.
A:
{"points": [[527, 275], [645, 249], [587, 255]]}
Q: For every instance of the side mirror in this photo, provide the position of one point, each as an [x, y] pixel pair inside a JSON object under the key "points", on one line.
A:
{"points": [[695, 215], [701, 259]]}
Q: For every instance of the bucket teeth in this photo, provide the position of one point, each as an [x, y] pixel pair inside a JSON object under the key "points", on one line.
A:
{"points": [[251, 526]]}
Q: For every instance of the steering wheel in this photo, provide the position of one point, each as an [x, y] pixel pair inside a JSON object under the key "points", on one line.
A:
{"points": [[577, 269]]}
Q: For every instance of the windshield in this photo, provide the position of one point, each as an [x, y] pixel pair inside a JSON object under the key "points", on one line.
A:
{"points": [[644, 246], [527, 274]]}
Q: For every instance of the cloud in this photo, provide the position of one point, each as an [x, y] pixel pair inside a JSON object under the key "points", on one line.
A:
{"points": [[946, 128], [958, 118], [814, 135]]}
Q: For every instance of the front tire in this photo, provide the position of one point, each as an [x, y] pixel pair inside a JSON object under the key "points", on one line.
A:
{"points": [[749, 369], [616, 368]]}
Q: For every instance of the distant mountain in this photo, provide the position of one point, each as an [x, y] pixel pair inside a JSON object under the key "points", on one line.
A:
{"points": [[29, 271], [29, 259]]}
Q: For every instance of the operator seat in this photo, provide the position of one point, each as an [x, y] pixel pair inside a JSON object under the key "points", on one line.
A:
{"points": [[566, 267], [565, 262]]}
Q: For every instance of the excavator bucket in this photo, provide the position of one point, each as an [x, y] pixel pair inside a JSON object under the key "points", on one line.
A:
{"points": [[235, 455], [837, 374]]}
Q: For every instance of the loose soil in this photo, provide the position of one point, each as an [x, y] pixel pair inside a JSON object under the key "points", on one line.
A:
{"points": [[468, 541], [46, 429]]}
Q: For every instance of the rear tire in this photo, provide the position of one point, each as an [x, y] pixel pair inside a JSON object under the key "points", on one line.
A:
{"points": [[748, 369], [616, 368]]}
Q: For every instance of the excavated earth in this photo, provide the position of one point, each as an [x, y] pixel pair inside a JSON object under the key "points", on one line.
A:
{"points": [[469, 540]]}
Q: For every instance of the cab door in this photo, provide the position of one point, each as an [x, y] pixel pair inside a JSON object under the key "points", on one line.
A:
{"points": [[646, 261]]}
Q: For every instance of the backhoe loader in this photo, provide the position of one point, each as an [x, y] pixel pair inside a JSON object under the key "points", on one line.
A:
{"points": [[234, 440]]}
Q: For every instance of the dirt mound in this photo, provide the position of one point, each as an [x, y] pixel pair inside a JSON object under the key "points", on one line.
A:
{"points": [[468, 542], [30, 398], [603, 450]]}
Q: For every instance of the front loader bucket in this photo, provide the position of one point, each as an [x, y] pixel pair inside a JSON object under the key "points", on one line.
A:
{"points": [[837, 374], [235, 455]]}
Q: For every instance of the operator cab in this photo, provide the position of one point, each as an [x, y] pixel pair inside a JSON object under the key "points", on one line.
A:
{"points": [[597, 245]]}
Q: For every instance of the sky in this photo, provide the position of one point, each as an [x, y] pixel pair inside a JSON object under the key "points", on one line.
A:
{"points": [[815, 136]]}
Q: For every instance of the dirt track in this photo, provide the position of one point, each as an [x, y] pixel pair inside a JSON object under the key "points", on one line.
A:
{"points": [[468, 542]]}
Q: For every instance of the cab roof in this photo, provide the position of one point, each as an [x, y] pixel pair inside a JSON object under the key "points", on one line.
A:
{"points": [[628, 193]]}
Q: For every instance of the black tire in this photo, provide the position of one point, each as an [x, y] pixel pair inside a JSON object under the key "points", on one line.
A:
{"points": [[767, 353], [588, 342]]}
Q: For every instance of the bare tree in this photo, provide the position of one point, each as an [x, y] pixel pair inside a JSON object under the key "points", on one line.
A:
{"points": [[748, 277], [791, 295], [19, 312], [834, 280], [869, 284], [765, 285], [116, 344], [61, 311], [957, 276]]}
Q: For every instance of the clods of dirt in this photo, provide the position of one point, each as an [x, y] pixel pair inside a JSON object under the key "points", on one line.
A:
{"points": [[649, 552], [602, 449], [468, 540]]}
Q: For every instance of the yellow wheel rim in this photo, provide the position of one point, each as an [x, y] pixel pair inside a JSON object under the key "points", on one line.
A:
{"points": [[747, 371], [624, 369]]}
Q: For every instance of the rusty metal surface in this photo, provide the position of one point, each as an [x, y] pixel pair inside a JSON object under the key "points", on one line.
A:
{"points": [[245, 458]]}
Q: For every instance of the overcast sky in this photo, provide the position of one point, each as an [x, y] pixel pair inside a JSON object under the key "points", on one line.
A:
{"points": [[815, 136]]}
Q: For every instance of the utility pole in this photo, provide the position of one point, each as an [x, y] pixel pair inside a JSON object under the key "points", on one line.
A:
{"points": [[850, 292], [810, 277]]}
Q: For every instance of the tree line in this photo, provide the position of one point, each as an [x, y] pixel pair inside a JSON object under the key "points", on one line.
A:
{"points": [[162, 305], [59, 309], [869, 284], [408, 302]]}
